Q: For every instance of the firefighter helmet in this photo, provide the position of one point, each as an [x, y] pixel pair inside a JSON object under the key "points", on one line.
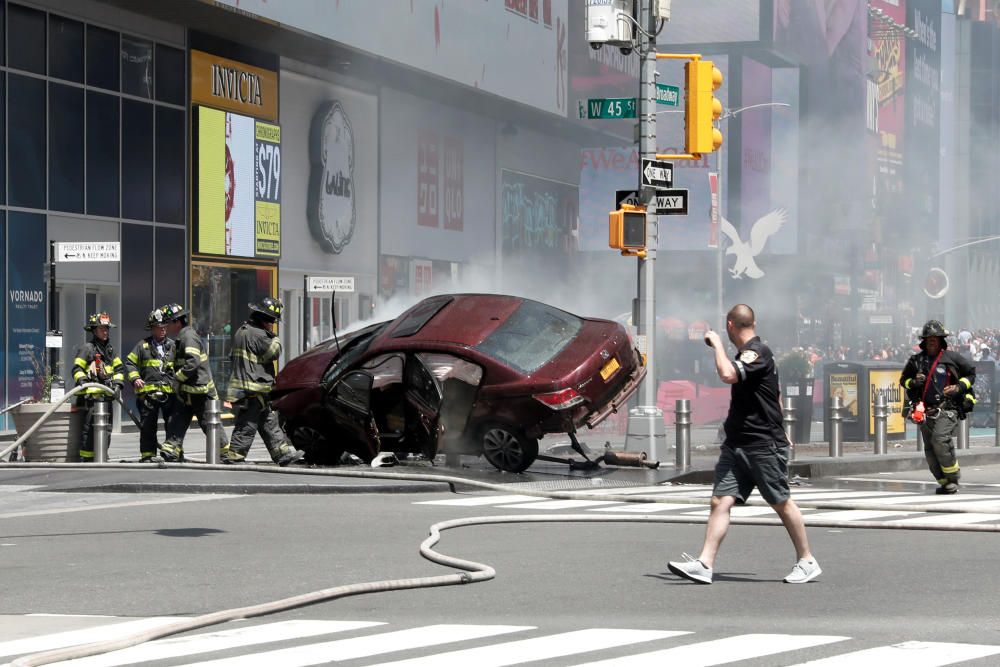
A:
{"points": [[269, 307], [98, 320], [155, 319], [172, 311], [934, 328]]}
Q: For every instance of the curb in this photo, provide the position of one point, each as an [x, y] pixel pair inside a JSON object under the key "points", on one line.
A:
{"points": [[253, 489]]}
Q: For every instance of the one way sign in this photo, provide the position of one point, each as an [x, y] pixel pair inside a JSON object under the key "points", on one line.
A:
{"points": [[657, 174], [668, 202]]}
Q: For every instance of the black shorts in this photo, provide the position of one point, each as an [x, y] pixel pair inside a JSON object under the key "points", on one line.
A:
{"points": [[741, 469]]}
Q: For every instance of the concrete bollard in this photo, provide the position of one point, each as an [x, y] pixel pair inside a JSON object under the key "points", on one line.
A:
{"points": [[963, 433], [836, 423], [213, 424], [646, 431], [788, 420], [100, 430], [682, 425], [881, 415]]}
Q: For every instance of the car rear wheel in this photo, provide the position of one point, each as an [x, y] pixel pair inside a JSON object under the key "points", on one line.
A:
{"points": [[508, 448], [317, 447]]}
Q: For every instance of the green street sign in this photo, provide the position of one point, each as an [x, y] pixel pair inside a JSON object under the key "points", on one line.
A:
{"points": [[606, 108], [667, 95]]}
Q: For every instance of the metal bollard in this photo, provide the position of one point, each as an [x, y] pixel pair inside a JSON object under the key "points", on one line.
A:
{"points": [[920, 439], [881, 415], [100, 430], [212, 426], [963, 433], [682, 425], [996, 424], [836, 434], [789, 422]]}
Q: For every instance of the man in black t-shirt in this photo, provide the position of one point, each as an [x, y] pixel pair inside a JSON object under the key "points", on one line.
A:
{"points": [[754, 452]]}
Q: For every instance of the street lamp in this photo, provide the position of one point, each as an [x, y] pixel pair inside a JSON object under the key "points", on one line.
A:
{"points": [[720, 162]]}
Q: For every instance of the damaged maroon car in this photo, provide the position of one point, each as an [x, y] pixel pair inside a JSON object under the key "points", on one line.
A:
{"points": [[478, 374]]}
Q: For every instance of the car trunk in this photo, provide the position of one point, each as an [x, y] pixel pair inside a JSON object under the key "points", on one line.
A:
{"points": [[597, 362]]}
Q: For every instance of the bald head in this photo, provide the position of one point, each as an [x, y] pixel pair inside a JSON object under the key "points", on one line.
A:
{"points": [[741, 315]]}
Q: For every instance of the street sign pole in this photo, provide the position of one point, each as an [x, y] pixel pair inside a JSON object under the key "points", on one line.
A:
{"points": [[646, 299], [53, 310], [306, 307]]}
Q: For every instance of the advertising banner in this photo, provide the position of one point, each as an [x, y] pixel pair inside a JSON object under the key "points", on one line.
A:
{"points": [[886, 382], [923, 105], [845, 385], [26, 304], [238, 185]]}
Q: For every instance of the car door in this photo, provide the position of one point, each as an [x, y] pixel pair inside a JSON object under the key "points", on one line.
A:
{"points": [[350, 400], [423, 405]]}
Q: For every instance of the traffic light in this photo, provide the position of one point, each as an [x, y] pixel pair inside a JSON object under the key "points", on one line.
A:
{"points": [[701, 107], [627, 229]]}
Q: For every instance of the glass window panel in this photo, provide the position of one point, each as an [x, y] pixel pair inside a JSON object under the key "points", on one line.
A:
{"points": [[65, 148], [170, 165], [27, 39], [137, 160], [3, 132], [171, 266], [137, 288], [26, 103], [169, 64], [102, 154], [102, 58], [65, 48], [137, 66]]}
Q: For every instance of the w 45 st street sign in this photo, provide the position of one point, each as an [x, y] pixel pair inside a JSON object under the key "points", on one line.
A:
{"points": [[611, 108]]}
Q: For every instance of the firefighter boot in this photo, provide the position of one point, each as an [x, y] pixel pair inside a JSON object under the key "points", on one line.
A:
{"points": [[289, 455], [172, 452]]}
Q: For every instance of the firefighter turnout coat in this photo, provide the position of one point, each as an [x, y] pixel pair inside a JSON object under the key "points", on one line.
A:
{"points": [[152, 362], [254, 358], [97, 362], [191, 369]]}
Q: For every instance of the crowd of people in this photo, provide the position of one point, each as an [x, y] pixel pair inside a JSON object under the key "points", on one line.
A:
{"points": [[973, 344]]}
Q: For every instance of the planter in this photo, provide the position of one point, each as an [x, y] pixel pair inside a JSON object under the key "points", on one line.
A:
{"points": [[58, 440], [801, 393]]}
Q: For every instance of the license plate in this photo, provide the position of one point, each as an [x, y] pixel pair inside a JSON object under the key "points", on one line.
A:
{"points": [[610, 369]]}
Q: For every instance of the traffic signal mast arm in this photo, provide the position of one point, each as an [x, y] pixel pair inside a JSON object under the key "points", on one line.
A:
{"points": [[701, 107]]}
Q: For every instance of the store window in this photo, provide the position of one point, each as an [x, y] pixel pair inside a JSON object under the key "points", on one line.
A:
{"points": [[102, 154], [219, 298], [26, 183], [137, 67], [26, 39], [169, 79], [137, 160], [65, 148], [65, 49], [102, 58]]}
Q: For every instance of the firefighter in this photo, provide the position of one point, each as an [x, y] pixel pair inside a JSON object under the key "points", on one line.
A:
{"points": [[150, 367], [96, 362], [938, 384], [254, 360], [193, 385]]}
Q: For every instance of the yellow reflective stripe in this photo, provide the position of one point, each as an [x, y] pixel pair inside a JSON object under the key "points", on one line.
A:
{"points": [[202, 389], [966, 382], [246, 354], [950, 469], [82, 363], [86, 454], [146, 388], [250, 385], [908, 382], [133, 376], [151, 362], [133, 357], [193, 351], [274, 349], [181, 376]]}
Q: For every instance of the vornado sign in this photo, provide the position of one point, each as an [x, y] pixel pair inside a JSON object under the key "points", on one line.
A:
{"points": [[234, 86]]}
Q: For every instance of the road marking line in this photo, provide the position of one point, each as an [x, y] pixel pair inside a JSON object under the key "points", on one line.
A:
{"points": [[474, 501], [252, 635], [950, 519], [132, 503], [361, 647], [911, 654], [82, 636], [853, 515], [926, 500], [538, 648], [738, 510], [837, 495], [644, 508], [562, 504], [720, 651]]}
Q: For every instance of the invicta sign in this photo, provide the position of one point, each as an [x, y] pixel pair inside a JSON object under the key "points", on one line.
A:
{"points": [[233, 86]]}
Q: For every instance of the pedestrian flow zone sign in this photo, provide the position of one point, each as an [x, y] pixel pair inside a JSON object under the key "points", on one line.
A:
{"points": [[668, 202], [91, 251], [330, 284]]}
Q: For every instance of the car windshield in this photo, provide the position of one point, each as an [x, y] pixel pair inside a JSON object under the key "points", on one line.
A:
{"points": [[350, 353], [531, 336]]}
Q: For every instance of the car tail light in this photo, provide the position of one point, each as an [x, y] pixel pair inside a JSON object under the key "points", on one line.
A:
{"points": [[560, 400]]}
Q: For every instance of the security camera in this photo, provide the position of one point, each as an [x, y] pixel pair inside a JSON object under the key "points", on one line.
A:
{"points": [[609, 22], [625, 50], [596, 45]]}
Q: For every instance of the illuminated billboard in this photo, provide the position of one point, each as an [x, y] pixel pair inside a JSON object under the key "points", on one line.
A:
{"points": [[238, 185]]}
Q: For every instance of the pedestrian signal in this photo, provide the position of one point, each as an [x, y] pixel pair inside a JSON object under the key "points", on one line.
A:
{"points": [[627, 229]]}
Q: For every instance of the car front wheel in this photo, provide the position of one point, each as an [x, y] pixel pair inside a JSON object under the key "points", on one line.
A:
{"points": [[316, 445], [508, 448]]}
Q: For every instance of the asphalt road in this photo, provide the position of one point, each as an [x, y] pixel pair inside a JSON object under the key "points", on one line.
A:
{"points": [[564, 594]]}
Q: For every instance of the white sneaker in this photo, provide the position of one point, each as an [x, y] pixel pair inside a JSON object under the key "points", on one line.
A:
{"points": [[805, 570], [691, 568]]}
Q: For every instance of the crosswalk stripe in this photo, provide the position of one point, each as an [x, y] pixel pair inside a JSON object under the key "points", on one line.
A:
{"points": [[642, 508], [738, 510], [949, 519], [475, 501], [562, 504], [909, 499], [538, 648], [363, 647], [852, 515], [720, 651], [82, 636], [177, 647], [837, 495], [911, 654]]}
